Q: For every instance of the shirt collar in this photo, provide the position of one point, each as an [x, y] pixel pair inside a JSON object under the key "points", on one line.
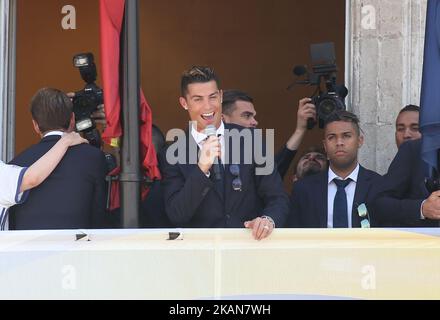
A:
{"points": [[353, 175], [199, 136], [53, 133]]}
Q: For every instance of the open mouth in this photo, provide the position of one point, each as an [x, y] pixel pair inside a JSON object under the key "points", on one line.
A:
{"points": [[208, 116]]}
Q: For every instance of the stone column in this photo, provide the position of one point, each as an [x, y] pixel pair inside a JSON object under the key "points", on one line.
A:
{"points": [[384, 59]]}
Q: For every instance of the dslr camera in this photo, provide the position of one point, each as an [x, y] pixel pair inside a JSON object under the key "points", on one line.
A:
{"points": [[87, 100], [328, 97]]}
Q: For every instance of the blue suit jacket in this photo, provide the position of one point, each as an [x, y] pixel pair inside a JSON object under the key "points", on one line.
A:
{"points": [[72, 197], [309, 199], [401, 191], [192, 200]]}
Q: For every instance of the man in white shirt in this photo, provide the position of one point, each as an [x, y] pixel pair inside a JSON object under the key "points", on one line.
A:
{"points": [[331, 199], [16, 181]]}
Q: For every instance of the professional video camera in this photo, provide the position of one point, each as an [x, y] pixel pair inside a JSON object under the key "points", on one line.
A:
{"points": [[86, 101], [324, 68]]}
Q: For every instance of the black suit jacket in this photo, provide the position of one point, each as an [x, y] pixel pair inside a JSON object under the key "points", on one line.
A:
{"points": [[401, 191], [283, 159], [72, 197], [309, 199], [192, 200]]}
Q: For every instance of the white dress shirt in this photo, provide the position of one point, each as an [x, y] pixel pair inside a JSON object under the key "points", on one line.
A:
{"points": [[53, 133], [11, 177], [350, 190]]}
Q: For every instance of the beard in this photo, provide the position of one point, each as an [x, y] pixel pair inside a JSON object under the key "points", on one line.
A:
{"points": [[312, 169]]}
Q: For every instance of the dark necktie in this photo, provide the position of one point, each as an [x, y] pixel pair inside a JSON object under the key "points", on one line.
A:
{"points": [[219, 180], [340, 209]]}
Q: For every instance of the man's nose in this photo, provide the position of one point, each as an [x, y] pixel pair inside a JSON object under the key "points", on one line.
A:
{"points": [[407, 133], [339, 141]]}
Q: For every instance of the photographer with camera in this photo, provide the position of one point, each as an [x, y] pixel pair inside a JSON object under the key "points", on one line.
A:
{"points": [[87, 101], [314, 160], [73, 196], [238, 108]]}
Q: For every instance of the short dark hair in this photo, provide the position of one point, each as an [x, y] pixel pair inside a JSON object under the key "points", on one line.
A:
{"points": [[157, 138], [410, 107], [345, 116], [230, 97], [51, 109], [197, 74]]}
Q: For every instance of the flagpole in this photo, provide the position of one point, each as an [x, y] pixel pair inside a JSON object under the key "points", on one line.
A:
{"points": [[130, 162]]}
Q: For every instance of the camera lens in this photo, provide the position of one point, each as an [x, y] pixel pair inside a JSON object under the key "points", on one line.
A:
{"points": [[326, 107]]}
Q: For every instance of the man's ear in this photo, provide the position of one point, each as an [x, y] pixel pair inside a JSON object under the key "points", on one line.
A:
{"points": [[361, 141], [36, 127], [183, 103]]}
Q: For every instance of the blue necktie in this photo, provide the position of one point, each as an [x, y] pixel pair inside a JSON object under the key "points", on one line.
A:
{"points": [[340, 209]]}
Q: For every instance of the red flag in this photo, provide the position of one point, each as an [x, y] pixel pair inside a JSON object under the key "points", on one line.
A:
{"points": [[111, 14]]}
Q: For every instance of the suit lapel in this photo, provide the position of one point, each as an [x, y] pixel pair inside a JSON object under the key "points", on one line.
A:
{"points": [[360, 195], [321, 199], [233, 197]]}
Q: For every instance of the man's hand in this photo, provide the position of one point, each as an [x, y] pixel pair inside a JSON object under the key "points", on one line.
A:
{"points": [[99, 116], [261, 228], [70, 95], [73, 138], [306, 110], [211, 150], [431, 207]]}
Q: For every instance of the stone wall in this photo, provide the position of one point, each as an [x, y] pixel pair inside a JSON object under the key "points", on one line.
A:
{"points": [[384, 58]]}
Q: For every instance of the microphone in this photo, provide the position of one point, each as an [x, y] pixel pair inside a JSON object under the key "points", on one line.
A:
{"points": [[299, 70], [211, 130]]}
